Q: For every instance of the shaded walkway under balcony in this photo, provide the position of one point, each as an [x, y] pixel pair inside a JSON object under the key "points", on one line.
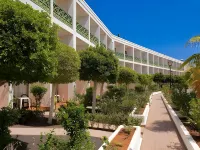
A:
{"points": [[160, 132]]}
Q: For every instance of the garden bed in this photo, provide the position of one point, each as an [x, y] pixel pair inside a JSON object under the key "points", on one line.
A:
{"points": [[195, 134], [143, 114], [186, 132], [122, 140]]}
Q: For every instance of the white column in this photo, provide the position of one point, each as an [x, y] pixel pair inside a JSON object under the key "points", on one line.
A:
{"points": [[163, 63], [74, 23], [106, 41], [124, 51], [133, 55], [153, 59], [98, 32], [71, 86], [51, 10], [113, 45], [89, 27], [147, 58]]}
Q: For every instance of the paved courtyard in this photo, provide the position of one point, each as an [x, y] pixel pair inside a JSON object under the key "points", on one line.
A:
{"points": [[160, 132]]}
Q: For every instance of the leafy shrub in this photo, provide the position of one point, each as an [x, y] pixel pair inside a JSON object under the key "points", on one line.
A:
{"points": [[167, 93], [139, 88], [153, 87], [141, 100], [88, 97], [75, 122], [145, 80], [52, 142], [128, 129], [194, 112], [109, 105], [27, 115], [117, 92], [181, 99], [38, 92], [114, 119], [8, 117]]}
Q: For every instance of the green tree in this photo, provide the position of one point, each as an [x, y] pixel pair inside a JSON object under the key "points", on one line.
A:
{"points": [[27, 42], [75, 122], [98, 65], [158, 78], [194, 112], [38, 92], [68, 64], [127, 76], [145, 80]]}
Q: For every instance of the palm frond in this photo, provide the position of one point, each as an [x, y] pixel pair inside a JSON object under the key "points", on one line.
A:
{"points": [[194, 80], [193, 61], [194, 41]]}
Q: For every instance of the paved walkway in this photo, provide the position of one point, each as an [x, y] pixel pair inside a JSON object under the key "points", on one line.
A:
{"points": [[160, 132], [31, 135]]}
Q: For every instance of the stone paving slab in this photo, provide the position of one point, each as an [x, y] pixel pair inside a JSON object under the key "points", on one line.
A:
{"points": [[160, 132]]}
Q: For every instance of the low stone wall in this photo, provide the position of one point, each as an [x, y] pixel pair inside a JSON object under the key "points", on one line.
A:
{"points": [[136, 141], [183, 132], [145, 114]]}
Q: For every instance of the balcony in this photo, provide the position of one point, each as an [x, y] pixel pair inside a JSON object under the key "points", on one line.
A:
{"points": [[60, 14], [174, 68], [45, 4], [130, 58], [151, 62], [137, 59], [94, 39], [82, 30], [103, 45], [160, 65], [119, 55], [166, 66], [156, 64], [144, 61]]}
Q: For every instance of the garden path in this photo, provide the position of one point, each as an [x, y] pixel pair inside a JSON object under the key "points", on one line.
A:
{"points": [[31, 135], [160, 132]]}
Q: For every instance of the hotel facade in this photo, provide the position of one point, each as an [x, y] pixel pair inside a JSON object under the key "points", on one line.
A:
{"points": [[80, 27]]}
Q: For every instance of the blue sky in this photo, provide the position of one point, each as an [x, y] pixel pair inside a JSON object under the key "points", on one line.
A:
{"points": [[161, 25]]}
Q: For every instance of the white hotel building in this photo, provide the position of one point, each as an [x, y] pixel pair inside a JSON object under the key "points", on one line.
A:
{"points": [[80, 27]]}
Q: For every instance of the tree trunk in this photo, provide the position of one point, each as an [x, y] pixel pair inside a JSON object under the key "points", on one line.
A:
{"points": [[10, 98], [94, 97], [52, 104], [101, 91]]}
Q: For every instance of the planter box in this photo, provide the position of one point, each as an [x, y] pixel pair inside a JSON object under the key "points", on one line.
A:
{"points": [[143, 116], [183, 132], [135, 141]]}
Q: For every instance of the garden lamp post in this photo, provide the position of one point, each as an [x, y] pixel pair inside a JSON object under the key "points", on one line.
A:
{"points": [[170, 67]]}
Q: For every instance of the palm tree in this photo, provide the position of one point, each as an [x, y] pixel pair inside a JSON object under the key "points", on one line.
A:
{"points": [[194, 66]]}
